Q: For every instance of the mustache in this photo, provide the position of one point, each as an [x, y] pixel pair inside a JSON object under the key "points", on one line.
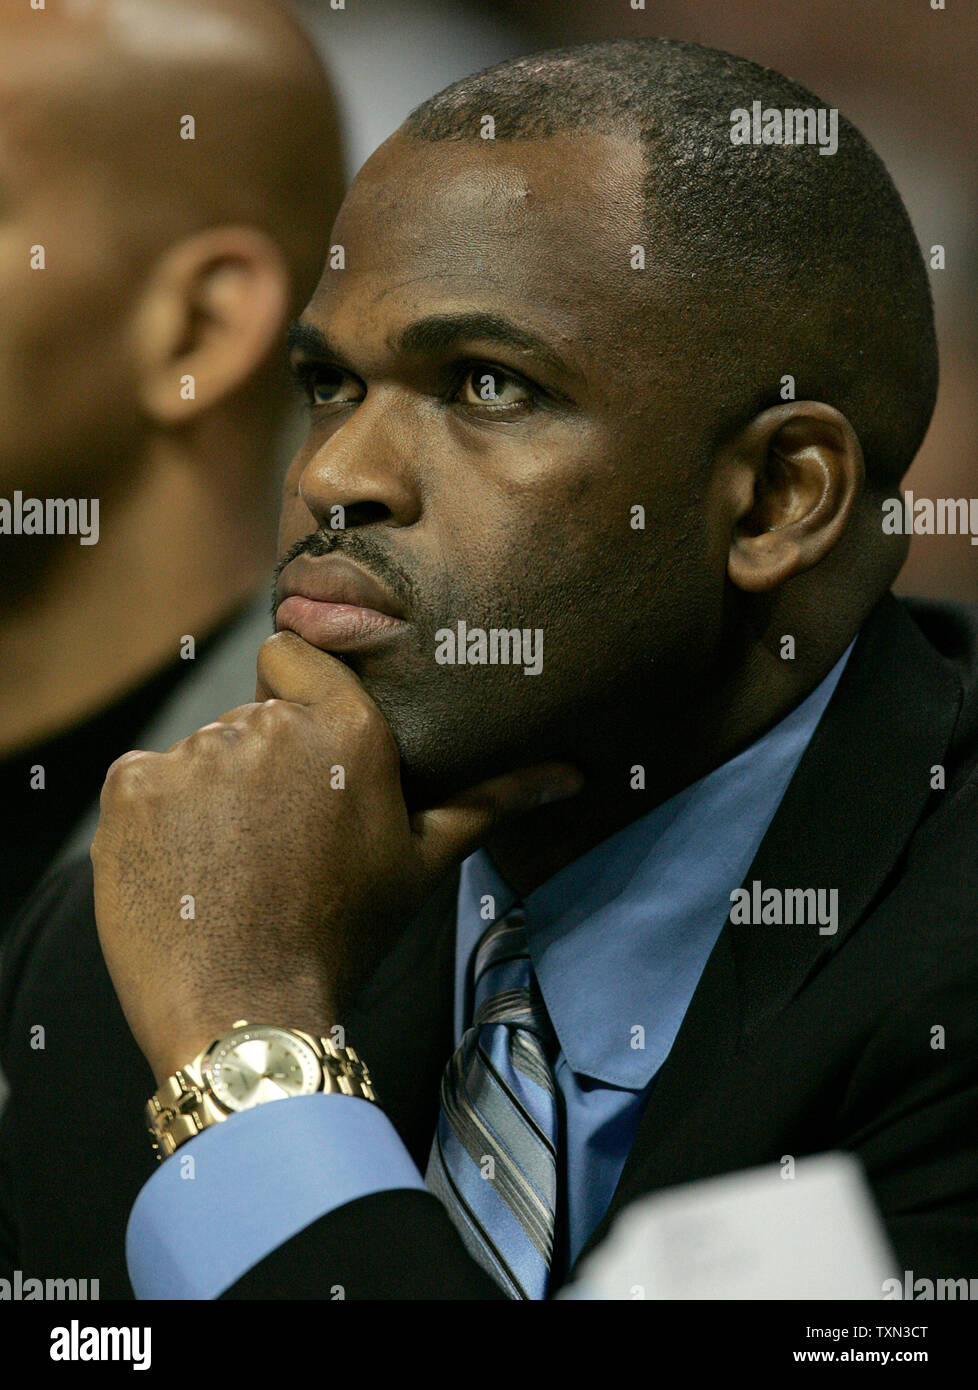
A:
{"points": [[354, 545]]}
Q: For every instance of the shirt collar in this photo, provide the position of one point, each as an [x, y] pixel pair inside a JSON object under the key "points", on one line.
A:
{"points": [[620, 937]]}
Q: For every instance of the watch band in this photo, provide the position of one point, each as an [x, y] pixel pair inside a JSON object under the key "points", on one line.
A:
{"points": [[185, 1104]]}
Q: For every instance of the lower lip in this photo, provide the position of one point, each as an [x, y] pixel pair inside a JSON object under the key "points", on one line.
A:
{"points": [[340, 627]]}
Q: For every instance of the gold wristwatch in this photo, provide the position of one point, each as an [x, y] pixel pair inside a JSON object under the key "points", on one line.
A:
{"points": [[254, 1063]]}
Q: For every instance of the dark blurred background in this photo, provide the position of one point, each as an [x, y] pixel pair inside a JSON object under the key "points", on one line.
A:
{"points": [[900, 69]]}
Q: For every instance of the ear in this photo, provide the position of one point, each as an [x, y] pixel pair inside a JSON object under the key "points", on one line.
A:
{"points": [[792, 478], [211, 312]]}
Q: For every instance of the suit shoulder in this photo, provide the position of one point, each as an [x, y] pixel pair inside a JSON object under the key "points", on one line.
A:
{"points": [[951, 630]]}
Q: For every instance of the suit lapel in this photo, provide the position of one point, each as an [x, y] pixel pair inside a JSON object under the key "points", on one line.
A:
{"points": [[847, 815]]}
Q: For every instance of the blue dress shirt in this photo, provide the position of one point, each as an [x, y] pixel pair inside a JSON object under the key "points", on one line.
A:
{"points": [[619, 940]]}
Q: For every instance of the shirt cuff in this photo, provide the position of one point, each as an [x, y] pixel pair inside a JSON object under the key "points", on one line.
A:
{"points": [[241, 1188]]}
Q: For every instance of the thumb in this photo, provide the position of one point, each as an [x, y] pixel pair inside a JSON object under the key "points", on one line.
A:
{"points": [[449, 832]]}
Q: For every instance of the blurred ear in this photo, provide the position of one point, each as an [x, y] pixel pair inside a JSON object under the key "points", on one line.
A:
{"points": [[210, 314], [792, 477]]}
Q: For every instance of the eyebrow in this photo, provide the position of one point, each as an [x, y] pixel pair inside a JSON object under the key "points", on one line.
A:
{"points": [[438, 333], [305, 338], [441, 332]]}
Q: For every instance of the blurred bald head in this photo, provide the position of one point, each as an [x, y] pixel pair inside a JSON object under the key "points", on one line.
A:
{"points": [[178, 162], [105, 86]]}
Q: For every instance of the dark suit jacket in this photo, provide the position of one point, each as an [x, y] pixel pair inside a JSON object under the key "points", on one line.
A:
{"points": [[794, 1042]]}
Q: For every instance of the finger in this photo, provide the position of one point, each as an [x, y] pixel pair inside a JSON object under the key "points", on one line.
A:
{"points": [[291, 669], [233, 715], [449, 832]]}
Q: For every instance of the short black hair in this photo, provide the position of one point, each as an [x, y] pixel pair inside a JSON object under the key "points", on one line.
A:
{"points": [[794, 262]]}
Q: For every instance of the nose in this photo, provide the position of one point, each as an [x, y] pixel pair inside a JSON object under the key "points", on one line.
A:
{"points": [[364, 467]]}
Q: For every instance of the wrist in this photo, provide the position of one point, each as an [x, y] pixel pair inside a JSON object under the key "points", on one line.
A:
{"points": [[250, 1064], [181, 1042]]}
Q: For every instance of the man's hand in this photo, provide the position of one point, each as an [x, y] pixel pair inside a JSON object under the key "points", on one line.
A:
{"points": [[262, 867]]}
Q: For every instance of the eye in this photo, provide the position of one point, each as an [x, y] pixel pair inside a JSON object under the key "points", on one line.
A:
{"points": [[490, 388], [325, 386]]}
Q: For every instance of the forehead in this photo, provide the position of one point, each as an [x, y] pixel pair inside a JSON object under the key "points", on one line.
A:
{"points": [[538, 227]]}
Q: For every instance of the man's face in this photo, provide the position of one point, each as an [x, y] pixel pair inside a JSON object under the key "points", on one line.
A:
{"points": [[472, 267], [66, 404]]}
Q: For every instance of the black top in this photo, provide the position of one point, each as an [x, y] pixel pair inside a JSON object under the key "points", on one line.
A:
{"points": [[37, 822]]}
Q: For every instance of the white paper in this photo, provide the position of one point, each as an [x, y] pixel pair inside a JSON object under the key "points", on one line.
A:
{"points": [[756, 1234]]}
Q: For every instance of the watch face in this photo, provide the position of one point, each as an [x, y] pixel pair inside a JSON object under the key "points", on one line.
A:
{"points": [[257, 1064]]}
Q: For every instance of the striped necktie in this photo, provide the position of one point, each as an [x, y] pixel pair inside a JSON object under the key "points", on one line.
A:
{"points": [[493, 1162]]}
